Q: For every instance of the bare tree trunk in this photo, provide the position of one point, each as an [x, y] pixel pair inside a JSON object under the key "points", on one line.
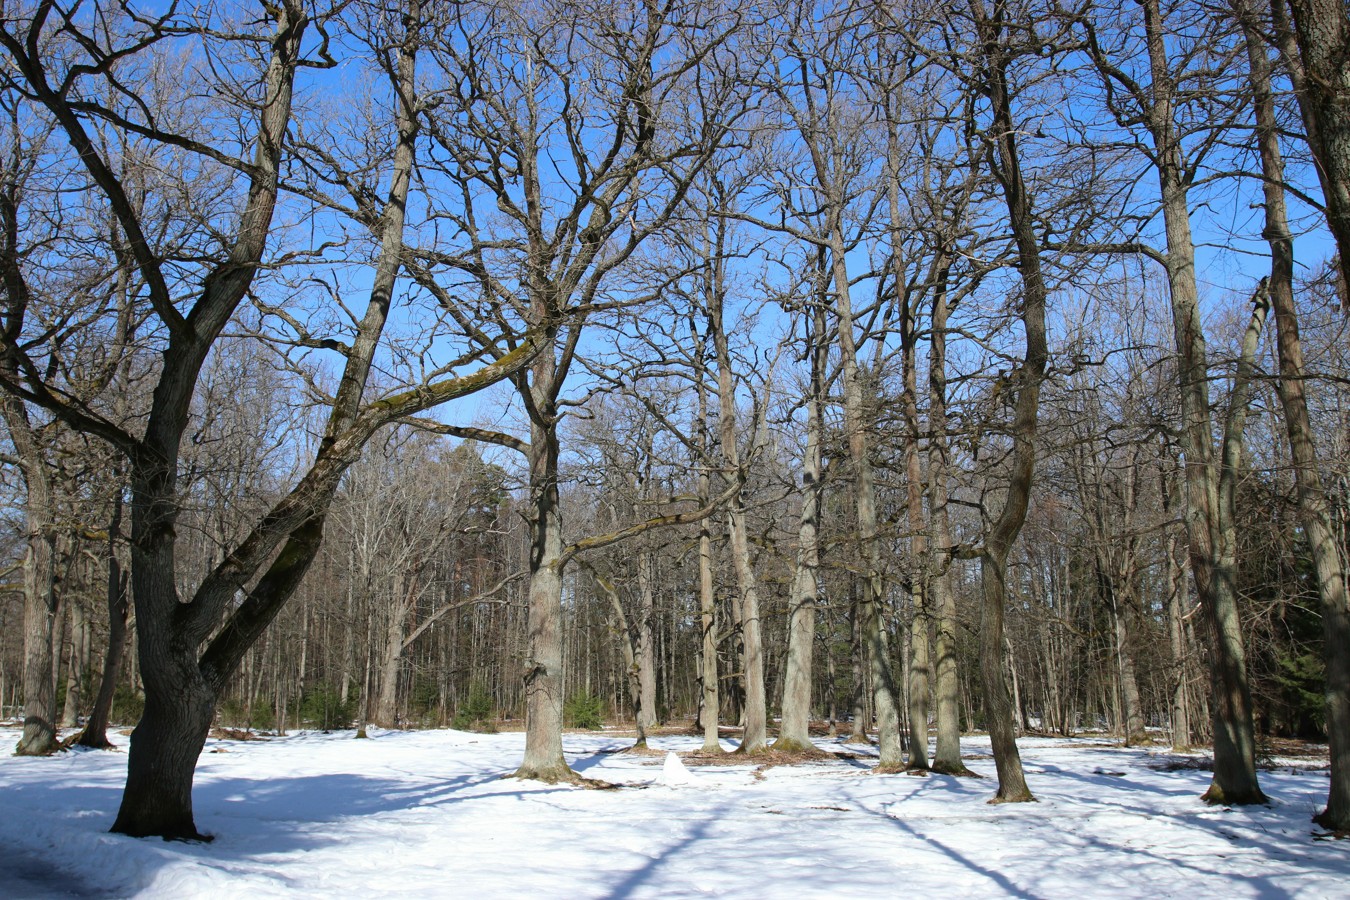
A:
{"points": [[1007, 166], [1181, 720], [857, 657], [1311, 496], [646, 640], [794, 734], [386, 704], [1123, 614], [873, 597], [78, 664], [942, 599], [41, 600], [1235, 780], [95, 732], [755, 737], [544, 759], [919, 665], [1322, 85]]}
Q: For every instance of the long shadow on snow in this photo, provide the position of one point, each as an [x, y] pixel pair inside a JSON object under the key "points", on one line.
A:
{"points": [[643, 874], [1270, 846]]}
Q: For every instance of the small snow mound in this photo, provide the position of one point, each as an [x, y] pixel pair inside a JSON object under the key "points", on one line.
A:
{"points": [[674, 772]]}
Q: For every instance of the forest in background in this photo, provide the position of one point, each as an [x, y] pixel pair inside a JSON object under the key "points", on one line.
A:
{"points": [[727, 362]]}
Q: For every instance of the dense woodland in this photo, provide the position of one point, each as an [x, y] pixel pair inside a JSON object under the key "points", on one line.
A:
{"points": [[979, 365]]}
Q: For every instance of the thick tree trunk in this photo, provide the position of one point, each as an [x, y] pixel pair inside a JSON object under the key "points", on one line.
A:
{"points": [[543, 681], [710, 695], [1176, 593], [857, 658], [1311, 495], [1322, 28], [165, 746], [920, 568], [386, 703], [1123, 615]]}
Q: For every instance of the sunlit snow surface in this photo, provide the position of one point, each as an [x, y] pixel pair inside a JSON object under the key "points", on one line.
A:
{"points": [[428, 814]]}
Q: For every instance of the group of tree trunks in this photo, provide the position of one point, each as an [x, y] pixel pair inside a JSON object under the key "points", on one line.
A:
{"points": [[700, 253]]}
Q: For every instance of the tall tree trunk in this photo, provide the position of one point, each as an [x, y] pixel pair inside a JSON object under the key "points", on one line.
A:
{"points": [[710, 710], [857, 658], [1007, 167], [941, 597], [755, 737], [872, 601], [920, 567], [1235, 780], [1311, 495], [794, 733], [1176, 594]]}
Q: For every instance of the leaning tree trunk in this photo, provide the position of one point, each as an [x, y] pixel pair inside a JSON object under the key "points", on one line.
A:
{"points": [[1311, 495]]}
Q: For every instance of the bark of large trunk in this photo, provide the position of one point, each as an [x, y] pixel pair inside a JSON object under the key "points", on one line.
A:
{"points": [[920, 567], [710, 711], [165, 746], [1181, 717], [1311, 495], [41, 608], [543, 682], [1124, 616], [386, 703]]}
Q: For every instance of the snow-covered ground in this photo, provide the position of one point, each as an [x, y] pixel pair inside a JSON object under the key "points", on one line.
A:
{"points": [[428, 814]]}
